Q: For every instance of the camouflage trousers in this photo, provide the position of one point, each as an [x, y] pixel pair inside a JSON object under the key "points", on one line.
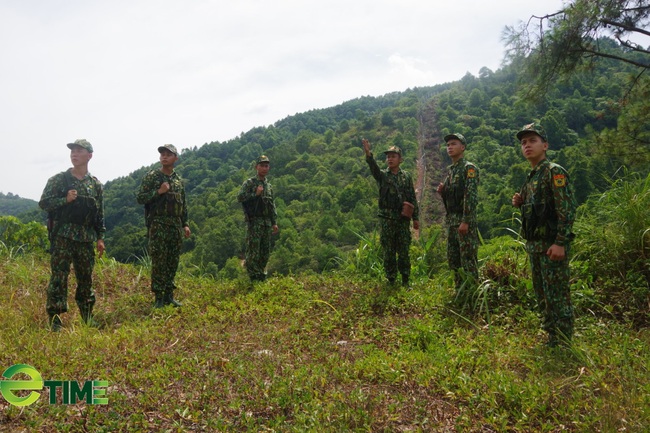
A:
{"points": [[82, 256], [258, 247], [395, 240], [462, 252], [551, 285], [165, 242]]}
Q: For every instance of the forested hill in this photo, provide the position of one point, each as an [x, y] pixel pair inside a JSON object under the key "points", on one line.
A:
{"points": [[326, 198], [11, 204]]}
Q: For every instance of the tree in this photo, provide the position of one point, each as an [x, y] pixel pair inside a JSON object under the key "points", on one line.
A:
{"points": [[580, 37], [574, 37]]}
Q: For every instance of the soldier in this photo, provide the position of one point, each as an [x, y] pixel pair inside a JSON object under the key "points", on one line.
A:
{"points": [[163, 195], [75, 205], [548, 210], [256, 197], [460, 196], [396, 200]]}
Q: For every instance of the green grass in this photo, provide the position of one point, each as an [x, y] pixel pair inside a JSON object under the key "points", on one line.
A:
{"points": [[321, 353]]}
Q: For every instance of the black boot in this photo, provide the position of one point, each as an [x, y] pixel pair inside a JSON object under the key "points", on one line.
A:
{"points": [[169, 300], [405, 280], [160, 301], [55, 322]]}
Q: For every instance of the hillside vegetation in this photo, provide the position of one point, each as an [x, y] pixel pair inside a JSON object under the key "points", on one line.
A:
{"points": [[322, 353], [326, 196], [15, 205]]}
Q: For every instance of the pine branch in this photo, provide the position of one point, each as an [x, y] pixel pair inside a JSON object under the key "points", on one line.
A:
{"points": [[625, 26]]}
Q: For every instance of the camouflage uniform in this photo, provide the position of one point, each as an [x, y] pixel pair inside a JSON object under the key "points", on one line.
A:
{"points": [[394, 230], [548, 213], [261, 216], [77, 226], [460, 197], [166, 216]]}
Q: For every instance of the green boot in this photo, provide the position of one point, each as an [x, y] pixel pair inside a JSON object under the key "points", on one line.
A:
{"points": [[55, 322], [160, 301], [169, 300]]}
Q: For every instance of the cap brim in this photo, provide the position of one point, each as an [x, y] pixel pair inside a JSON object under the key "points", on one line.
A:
{"points": [[73, 145], [449, 137], [526, 131], [163, 148]]}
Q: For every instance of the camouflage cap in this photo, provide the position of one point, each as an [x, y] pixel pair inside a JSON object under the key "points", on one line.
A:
{"points": [[261, 159], [457, 136], [83, 143], [394, 149], [532, 127], [169, 147]]}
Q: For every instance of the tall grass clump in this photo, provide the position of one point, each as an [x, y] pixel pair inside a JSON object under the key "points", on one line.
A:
{"points": [[366, 259], [427, 254], [612, 250]]}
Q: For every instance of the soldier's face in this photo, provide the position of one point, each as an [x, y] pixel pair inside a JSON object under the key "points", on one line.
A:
{"points": [[533, 147], [167, 158], [393, 159], [79, 156], [455, 148], [263, 169]]}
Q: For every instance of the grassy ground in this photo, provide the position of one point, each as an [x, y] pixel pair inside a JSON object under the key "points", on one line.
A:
{"points": [[313, 353]]}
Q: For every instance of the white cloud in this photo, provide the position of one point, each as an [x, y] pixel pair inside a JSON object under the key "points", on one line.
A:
{"points": [[129, 75]]}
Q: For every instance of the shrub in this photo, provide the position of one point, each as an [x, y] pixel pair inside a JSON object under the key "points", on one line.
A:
{"points": [[611, 249]]}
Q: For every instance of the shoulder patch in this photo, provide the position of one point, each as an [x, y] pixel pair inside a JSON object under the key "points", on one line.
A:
{"points": [[471, 172], [559, 180]]}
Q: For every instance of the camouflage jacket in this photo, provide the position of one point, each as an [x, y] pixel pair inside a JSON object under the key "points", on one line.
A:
{"points": [[460, 192], [549, 207], [394, 189], [169, 208], [89, 206], [255, 206]]}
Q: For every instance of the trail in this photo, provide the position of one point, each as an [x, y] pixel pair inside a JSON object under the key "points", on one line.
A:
{"points": [[430, 166]]}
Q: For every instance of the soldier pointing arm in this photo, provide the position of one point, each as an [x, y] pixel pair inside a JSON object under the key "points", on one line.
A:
{"points": [[396, 194]]}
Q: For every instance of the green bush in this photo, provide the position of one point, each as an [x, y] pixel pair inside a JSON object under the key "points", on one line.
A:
{"points": [[611, 250], [17, 236]]}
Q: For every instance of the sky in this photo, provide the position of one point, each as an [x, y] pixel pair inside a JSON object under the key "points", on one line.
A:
{"points": [[131, 75]]}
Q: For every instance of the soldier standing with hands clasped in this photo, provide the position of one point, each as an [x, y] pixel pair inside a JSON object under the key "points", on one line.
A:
{"points": [[459, 194], [75, 203], [397, 206], [163, 195], [256, 197], [548, 211]]}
